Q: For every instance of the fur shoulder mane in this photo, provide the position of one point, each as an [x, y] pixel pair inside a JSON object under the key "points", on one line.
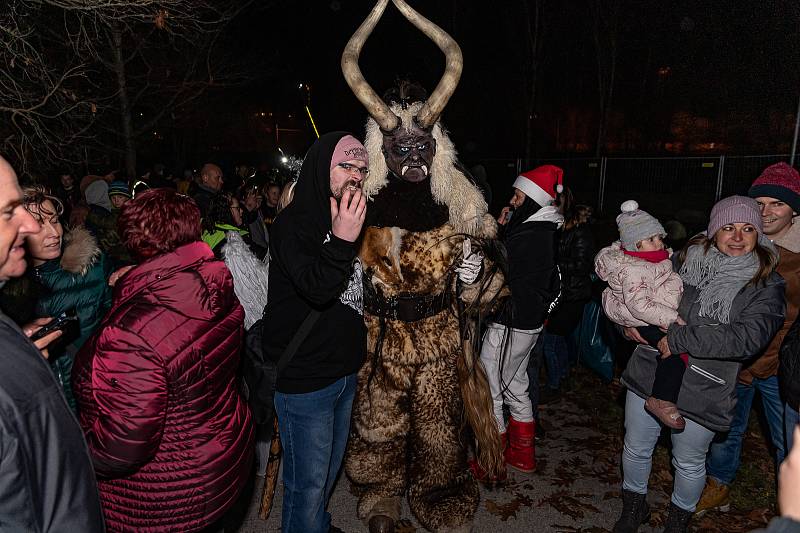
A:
{"points": [[449, 186]]}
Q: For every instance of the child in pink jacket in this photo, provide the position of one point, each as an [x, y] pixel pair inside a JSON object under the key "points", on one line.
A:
{"points": [[644, 292]]}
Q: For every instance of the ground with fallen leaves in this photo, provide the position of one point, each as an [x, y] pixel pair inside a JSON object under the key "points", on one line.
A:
{"points": [[577, 486]]}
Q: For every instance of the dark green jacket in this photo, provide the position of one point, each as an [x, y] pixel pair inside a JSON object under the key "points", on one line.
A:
{"points": [[77, 281]]}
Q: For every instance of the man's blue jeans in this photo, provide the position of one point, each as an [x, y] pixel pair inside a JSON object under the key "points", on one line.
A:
{"points": [[689, 449], [790, 419], [314, 427], [556, 357], [723, 461]]}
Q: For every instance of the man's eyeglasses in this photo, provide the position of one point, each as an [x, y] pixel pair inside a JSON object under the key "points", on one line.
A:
{"points": [[352, 169]]}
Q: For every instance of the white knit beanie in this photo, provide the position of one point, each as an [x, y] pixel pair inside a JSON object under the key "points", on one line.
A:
{"points": [[636, 225]]}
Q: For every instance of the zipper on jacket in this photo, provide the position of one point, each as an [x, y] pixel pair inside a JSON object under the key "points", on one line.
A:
{"points": [[707, 374]]}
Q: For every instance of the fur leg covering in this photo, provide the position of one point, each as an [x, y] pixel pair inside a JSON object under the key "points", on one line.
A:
{"points": [[442, 493], [376, 454]]}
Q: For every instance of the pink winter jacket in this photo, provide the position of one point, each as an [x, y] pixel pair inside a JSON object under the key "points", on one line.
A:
{"points": [[170, 436], [639, 293]]}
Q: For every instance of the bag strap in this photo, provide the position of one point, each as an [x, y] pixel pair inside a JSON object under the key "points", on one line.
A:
{"points": [[297, 340]]}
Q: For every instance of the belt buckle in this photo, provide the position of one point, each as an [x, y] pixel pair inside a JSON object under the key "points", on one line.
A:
{"points": [[406, 310]]}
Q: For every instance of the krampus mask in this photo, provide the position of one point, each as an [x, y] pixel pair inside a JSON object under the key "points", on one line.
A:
{"points": [[409, 152], [404, 135]]}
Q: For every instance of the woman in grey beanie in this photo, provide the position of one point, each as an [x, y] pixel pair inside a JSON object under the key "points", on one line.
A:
{"points": [[732, 305], [643, 292]]}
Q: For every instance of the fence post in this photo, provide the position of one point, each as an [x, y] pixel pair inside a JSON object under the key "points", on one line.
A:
{"points": [[796, 131], [602, 189], [720, 178]]}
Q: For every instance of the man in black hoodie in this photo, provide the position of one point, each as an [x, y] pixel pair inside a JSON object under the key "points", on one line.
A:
{"points": [[314, 275]]}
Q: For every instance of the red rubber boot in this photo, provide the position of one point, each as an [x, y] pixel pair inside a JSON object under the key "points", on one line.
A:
{"points": [[520, 452]]}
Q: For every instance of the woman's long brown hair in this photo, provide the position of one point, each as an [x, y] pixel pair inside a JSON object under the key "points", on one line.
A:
{"points": [[37, 195]]}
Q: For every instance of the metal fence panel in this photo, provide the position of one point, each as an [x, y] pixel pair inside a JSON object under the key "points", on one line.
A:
{"points": [[582, 176], [661, 185], [740, 171], [668, 187]]}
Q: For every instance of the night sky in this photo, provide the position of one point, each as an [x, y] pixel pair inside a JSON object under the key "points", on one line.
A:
{"points": [[731, 64]]}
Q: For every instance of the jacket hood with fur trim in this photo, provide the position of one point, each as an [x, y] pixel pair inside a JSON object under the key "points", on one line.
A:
{"points": [[79, 252]]}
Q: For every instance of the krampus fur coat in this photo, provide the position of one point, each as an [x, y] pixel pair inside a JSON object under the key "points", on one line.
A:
{"points": [[420, 391]]}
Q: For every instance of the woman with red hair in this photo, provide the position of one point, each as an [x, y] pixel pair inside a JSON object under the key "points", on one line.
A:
{"points": [[170, 436]]}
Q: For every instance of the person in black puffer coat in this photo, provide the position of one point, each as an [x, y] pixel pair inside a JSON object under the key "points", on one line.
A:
{"points": [[576, 251]]}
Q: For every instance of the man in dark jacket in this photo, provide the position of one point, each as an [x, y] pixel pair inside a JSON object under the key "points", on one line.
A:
{"points": [[47, 482], [314, 275], [209, 185]]}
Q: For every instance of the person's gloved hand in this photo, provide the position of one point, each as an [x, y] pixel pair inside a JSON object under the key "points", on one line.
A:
{"points": [[471, 262]]}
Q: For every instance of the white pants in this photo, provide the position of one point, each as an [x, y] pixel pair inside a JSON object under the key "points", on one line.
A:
{"points": [[505, 355]]}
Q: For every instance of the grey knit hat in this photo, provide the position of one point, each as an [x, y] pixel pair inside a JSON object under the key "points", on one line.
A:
{"points": [[636, 225], [732, 210]]}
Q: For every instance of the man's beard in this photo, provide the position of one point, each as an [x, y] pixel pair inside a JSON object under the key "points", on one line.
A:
{"points": [[349, 183]]}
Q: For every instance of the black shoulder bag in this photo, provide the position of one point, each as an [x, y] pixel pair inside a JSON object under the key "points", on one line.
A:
{"points": [[260, 374]]}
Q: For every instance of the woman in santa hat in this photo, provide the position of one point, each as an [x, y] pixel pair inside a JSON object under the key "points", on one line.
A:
{"points": [[531, 223]]}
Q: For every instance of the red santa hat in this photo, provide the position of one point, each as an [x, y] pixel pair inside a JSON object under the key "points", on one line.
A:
{"points": [[541, 184]]}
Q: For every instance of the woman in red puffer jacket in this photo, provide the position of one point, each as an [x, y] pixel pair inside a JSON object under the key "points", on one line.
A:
{"points": [[170, 436]]}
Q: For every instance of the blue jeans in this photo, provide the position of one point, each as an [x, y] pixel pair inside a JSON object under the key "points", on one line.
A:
{"points": [[689, 449], [556, 357], [314, 428], [790, 419], [723, 461]]}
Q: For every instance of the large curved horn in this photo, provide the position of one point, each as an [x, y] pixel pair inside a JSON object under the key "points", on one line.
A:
{"points": [[376, 107], [431, 110]]}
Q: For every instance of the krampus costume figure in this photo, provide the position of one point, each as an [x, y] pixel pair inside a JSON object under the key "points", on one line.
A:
{"points": [[421, 390]]}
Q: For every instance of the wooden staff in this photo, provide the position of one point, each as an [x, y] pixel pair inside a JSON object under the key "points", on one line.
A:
{"points": [[271, 477]]}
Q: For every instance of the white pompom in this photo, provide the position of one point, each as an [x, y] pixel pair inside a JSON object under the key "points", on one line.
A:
{"points": [[629, 205], [559, 188]]}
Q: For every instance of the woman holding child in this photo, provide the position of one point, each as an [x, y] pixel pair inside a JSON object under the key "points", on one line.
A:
{"points": [[732, 305]]}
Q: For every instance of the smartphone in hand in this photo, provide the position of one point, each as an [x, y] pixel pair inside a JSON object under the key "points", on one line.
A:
{"points": [[59, 323]]}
